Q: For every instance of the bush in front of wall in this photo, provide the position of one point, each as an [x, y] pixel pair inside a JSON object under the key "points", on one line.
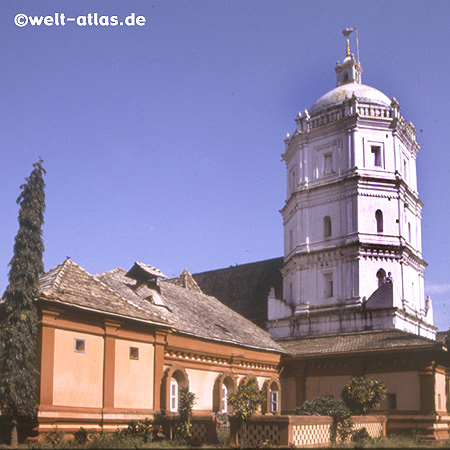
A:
{"points": [[329, 406], [362, 394]]}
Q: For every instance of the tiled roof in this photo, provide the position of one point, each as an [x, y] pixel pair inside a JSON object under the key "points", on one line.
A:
{"points": [[68, 283], [354, 342], [185, 311], [187, 281], [245, 287], [195, 313]]}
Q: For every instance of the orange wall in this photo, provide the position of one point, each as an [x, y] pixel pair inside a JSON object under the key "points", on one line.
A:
{"points": [[78, 377], [133, 378], [201, 383]]}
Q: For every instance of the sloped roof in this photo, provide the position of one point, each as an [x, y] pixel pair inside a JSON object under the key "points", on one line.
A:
{"points": [[244, 287], [184, 310], [187, 281], [195, 313], [70, 284], [354, 342]]}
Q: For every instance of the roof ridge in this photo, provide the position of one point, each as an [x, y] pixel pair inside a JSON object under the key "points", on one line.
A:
{"points": [[239, 265], [352, 333], [62, 267]]}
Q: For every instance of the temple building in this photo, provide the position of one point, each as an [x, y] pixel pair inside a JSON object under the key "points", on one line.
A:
{"points": [[347, 299]]}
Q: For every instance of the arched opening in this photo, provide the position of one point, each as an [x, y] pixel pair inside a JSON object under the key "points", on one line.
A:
{"points": [[224, 386], [327, 226], [175, 378], [381, 276], [379, 219], [272, 389]]}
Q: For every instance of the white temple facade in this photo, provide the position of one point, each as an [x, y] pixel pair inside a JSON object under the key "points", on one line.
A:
{"points": [[352, 218]]}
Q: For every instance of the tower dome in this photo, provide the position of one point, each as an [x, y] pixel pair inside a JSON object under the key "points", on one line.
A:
{"points": [[348, 85], [336, 96]]}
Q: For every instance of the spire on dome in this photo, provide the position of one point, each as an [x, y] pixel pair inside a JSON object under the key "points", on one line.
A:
{"points": [[349, 71]]}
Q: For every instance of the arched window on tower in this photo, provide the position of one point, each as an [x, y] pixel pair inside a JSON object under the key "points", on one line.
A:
{"points": [[409, 232], [326, 226], [291, 240], [379, 219], [381, 276]]}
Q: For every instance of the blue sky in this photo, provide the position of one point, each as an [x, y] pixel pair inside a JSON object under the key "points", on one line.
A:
{"points": [[162, 143]]}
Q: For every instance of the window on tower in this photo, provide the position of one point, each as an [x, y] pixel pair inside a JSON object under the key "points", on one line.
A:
{"points": [[379, 219], [293, 180], [327, 226], [328, 287], [377, 157], [327, 164]]}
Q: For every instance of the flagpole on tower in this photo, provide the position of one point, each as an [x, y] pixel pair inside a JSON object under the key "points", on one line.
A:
{"points": [[346, 32]]}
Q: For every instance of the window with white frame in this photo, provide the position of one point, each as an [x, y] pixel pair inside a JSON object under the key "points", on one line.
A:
{"points": [[224, 408], [173, 395], [80, 345], [274, 401]]}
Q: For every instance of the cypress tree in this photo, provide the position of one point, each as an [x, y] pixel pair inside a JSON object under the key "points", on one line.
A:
{"points": [[18, 327]]}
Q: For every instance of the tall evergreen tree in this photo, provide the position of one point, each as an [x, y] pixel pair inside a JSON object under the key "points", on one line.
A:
{"points": [[18, 328]]}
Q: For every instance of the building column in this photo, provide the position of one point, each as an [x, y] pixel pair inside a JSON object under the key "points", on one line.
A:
{"points": [[427, 389], [160, 345], [109, 362], [47, 353]]}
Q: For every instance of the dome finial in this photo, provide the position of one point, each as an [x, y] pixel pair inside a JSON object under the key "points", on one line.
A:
{"points": [[346, 32]]}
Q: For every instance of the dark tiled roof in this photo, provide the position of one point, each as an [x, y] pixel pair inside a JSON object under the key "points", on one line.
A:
{"points": [[354, 342], [194, 313], [70, 284], [245, 287]]}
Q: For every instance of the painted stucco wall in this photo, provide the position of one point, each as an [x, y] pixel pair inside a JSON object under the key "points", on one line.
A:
{"points": [[288, 395], [133, 378], [406, 386], [78, 377], [201, 383], [328, 385], [440, 400]]}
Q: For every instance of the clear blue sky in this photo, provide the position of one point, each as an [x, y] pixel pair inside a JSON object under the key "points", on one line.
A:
{"points": [[162, 143]]}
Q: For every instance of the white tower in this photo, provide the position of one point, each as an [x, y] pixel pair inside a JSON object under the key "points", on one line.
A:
{"points": [[352, 233]]}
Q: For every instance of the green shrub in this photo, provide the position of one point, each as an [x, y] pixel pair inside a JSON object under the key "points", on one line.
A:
{"points": [[246, 400], [81, 436], [187, 400], [54, 437], [362, 394], [361, 436], [329, 406]]}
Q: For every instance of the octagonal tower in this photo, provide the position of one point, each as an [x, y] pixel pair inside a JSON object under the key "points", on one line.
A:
{"points": [[352, 217]]}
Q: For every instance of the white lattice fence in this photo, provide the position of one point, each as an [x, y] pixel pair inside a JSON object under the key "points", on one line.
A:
{"points": [[311, 434], [375, 429]]}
